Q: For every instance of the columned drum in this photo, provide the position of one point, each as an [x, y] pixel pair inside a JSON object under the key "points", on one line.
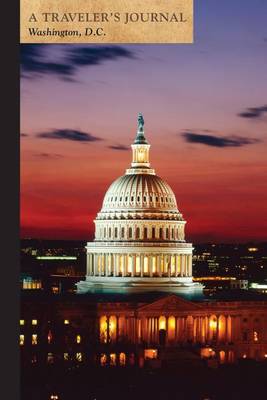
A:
{"points": [[139, 240]]}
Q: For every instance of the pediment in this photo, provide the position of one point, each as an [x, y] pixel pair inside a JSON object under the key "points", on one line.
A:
{"points": [[170, 303]]}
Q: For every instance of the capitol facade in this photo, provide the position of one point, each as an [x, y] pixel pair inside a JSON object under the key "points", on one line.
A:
{"points": [[139, 240]]}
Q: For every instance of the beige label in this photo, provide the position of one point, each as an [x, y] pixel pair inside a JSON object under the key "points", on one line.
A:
{"points": [[106, 21]]}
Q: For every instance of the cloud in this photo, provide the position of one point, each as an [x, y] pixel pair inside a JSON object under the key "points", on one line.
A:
{"points": [[97, 54], [35, 59], [33, 62], [48, 155], [118, 147], [253, 112], [69, 134], [217, 141]]}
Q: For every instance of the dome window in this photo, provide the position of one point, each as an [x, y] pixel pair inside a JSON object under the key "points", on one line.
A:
{"points": [[151, 199], [120, 198], [111, 199], [167, 233], [157, 198], [153, 233], [160, 233], [138, 198], [122, 232], [132, 198], [116, 232], [137, 233], [130, 232], [145, 199], [126, 198], [162, 199], [145, 233]]}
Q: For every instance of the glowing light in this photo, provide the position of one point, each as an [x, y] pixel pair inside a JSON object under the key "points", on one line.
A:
{"points": [[34, 322], [49, 337], [103, 329], [113, 359], [103, 359], [265, 355], [34, 339], [54, 397], [150, 354], [21, 340], [56, 258], [66, 356], [255, 336], [213, 324], [252, 249], [78, 339], [21, 322], [162, 322], [79, 357], [122, 359], [66, 322], [244, 356]]}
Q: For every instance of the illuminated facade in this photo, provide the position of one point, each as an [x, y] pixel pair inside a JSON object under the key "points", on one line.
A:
{"points": [[115, 333], [139, 234]]}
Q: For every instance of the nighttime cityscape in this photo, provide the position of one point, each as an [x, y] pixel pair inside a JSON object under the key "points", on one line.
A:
{"points": [[143, 208]]}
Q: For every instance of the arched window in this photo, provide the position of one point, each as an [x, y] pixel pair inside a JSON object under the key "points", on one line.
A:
{"points": [[167, 233], [137, 233], [105, 232], [122, 232], [145, 233], [109, 232], [153, 233], [130, 233], [160, 233], [172, 233], [116, 232]]}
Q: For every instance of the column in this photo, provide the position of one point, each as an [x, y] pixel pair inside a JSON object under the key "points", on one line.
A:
{"points": [[133, 264], [190, 265], [141, 265], [182, 264], [176, 265], [150, 265], [229, 328]]}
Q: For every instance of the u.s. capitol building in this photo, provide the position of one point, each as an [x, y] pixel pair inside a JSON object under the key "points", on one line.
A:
{"points": [[139, 240]]}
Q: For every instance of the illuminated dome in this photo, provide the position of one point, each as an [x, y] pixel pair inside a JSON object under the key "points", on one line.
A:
{"points": [[139, 195], [139, 240]]}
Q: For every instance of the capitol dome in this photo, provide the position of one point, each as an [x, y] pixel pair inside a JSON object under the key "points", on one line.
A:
{"points": [[139, 233], [139, 195]]}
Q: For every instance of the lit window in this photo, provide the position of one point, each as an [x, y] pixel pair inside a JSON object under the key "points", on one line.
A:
{"points": [[34, 322], [78, 339], [49, 337], [34, 339], [122, 359], [21, 322], [103, 359], [151, 353], [66, 322], [21, 340], [79, 357], [50, 358], [113, 359], [66, 356], [255, 336]]}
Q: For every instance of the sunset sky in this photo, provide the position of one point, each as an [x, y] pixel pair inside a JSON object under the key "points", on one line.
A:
{"points": [[205, 111]]}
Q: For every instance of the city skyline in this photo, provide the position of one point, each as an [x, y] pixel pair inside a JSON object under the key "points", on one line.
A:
{"points": [[205, 117]]}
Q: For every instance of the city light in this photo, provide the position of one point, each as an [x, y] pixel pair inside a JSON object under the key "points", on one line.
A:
{"points": [[56, 258]]}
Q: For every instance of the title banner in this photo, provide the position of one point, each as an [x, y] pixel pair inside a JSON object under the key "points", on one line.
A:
{"points": [[106, 21]]}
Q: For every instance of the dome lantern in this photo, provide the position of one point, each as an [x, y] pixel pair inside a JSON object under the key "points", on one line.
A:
{"points": [[140, 147]]}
